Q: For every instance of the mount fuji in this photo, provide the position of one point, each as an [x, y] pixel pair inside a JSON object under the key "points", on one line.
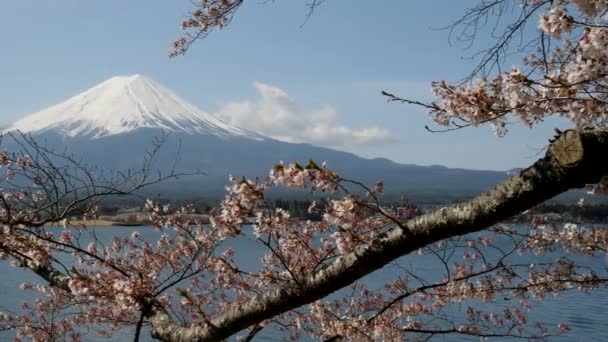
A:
{"points": [[124, 104], [113, 124]]}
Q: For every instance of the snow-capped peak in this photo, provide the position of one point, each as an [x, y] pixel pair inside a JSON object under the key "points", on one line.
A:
{"points": [[122, 104]]}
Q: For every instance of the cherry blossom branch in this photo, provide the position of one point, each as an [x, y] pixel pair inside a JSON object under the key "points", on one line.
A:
{"points": [[575, 158], [53, 276]]}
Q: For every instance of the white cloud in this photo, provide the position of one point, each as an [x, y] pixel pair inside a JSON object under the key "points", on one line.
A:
{"points": [[277, 115]]}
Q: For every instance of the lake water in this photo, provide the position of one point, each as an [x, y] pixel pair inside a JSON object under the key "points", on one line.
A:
{"points": [[586, 313]]}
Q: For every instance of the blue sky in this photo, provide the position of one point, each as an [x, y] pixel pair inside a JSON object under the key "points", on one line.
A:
{"points": [[333, 67]]}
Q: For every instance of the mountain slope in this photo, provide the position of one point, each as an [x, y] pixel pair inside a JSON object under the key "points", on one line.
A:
{"points": [[113, 124], [219, 158]]}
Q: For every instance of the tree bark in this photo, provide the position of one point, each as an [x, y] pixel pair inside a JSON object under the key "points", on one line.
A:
{"points": [[574, 158], [51, 275]]}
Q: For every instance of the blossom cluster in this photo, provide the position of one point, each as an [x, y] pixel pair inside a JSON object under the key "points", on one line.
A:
{"points": [[314, 177], [569, 80], [243, 197], [210, 14]]}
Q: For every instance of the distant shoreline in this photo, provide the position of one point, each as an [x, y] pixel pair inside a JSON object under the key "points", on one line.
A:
{"points": [[97, 223]]}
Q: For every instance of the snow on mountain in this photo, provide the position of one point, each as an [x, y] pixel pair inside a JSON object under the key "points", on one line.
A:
{"points": [[113, 124], [123, 104]]}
